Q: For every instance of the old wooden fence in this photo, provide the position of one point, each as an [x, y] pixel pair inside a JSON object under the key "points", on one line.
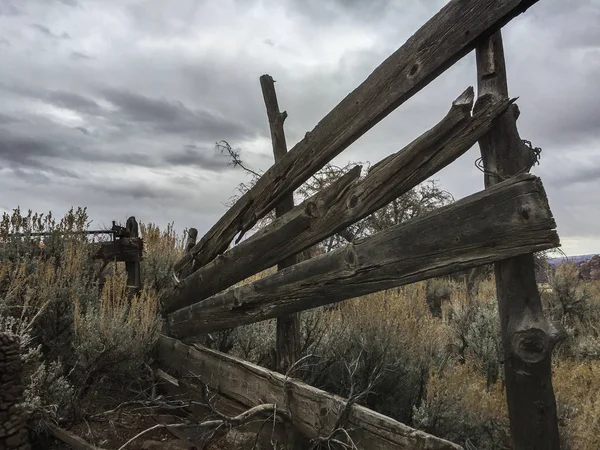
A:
{"points": [[504, 224]]}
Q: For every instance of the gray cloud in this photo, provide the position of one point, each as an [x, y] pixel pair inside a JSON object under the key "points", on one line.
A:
{"points": [[5, 119], [24, 157], [79, 56], [172, 116], [46, 31], [7, 8], [71, 100], [196, 156], [129, 107]]}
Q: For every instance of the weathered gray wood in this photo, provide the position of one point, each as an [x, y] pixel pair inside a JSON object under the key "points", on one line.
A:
{"points": [[509, 219], [122, 249], [287, 342], [190, 242], [191, 387], [313, 412], [342, 203], [453, 32], [528, 337]]}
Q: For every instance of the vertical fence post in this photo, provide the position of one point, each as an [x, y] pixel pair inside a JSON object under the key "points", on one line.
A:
{"points": [[288, 327], [190, 241], [13, 419], [527, 337], [133, 268]]}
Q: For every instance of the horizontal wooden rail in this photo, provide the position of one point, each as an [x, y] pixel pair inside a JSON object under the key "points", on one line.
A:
{"points": [[509, 219], [123, 249], [449, 35], [342, 203], [313, 412]]}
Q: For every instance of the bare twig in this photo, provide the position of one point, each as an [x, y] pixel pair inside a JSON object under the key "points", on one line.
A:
{"points": [[215, 424], [236, 160]]}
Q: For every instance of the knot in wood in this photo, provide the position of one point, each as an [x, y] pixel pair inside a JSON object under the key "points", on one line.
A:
{"points": [[350, 257], [312, 209], [531, 345], [352, 201]]}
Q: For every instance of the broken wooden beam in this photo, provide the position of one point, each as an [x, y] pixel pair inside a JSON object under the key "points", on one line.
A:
{"points": [[122, 249], [528, 337], [509, 219], [313, 412], [343, 203], [449, 35], [287, 341]]}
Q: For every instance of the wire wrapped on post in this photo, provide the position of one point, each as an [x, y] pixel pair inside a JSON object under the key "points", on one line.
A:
{"points": [[534, 154]]}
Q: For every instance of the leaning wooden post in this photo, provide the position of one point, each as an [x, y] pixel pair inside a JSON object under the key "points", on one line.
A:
{"points": [[288, 327], [192, 235], [528, 338], [133, 267]]}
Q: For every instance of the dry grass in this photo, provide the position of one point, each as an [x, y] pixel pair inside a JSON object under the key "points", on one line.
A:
{"points": [[439, 372], [80, 333]]}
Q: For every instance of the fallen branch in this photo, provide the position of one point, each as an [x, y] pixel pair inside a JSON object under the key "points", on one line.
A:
{"points": [[231, 422]]}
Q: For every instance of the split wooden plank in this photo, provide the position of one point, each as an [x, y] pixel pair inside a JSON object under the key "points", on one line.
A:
{"points": [[344, 202], [313, 412], [528, 337], [287, 341], [509, 219], [449, 35]]}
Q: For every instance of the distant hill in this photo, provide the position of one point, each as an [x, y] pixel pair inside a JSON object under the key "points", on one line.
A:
{"points": [[577, 259]]}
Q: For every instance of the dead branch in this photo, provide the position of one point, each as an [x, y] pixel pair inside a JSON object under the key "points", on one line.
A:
{"points": [[231, 422]]}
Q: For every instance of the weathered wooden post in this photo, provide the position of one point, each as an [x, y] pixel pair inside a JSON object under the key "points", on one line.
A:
{"points": [[288, 327], [132, 266], [528, 337], [190, 241]]}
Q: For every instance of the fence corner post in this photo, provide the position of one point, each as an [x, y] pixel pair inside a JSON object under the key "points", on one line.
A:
{"points": [[528, 338]]}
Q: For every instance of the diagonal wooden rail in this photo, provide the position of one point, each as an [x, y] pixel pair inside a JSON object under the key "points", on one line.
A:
{"points": [[342, 203], [509, 219], [449, 35], [312, 411]]}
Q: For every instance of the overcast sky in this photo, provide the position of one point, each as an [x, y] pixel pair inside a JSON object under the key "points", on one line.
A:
{"points": [[117, 105]]}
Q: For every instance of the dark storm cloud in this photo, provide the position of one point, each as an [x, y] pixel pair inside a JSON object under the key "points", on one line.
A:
{"points": [[48, 153], [24, 150], [167, 116], [59, 98], [137, 191], [207, 158], [71, 100], [24, 155]]}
